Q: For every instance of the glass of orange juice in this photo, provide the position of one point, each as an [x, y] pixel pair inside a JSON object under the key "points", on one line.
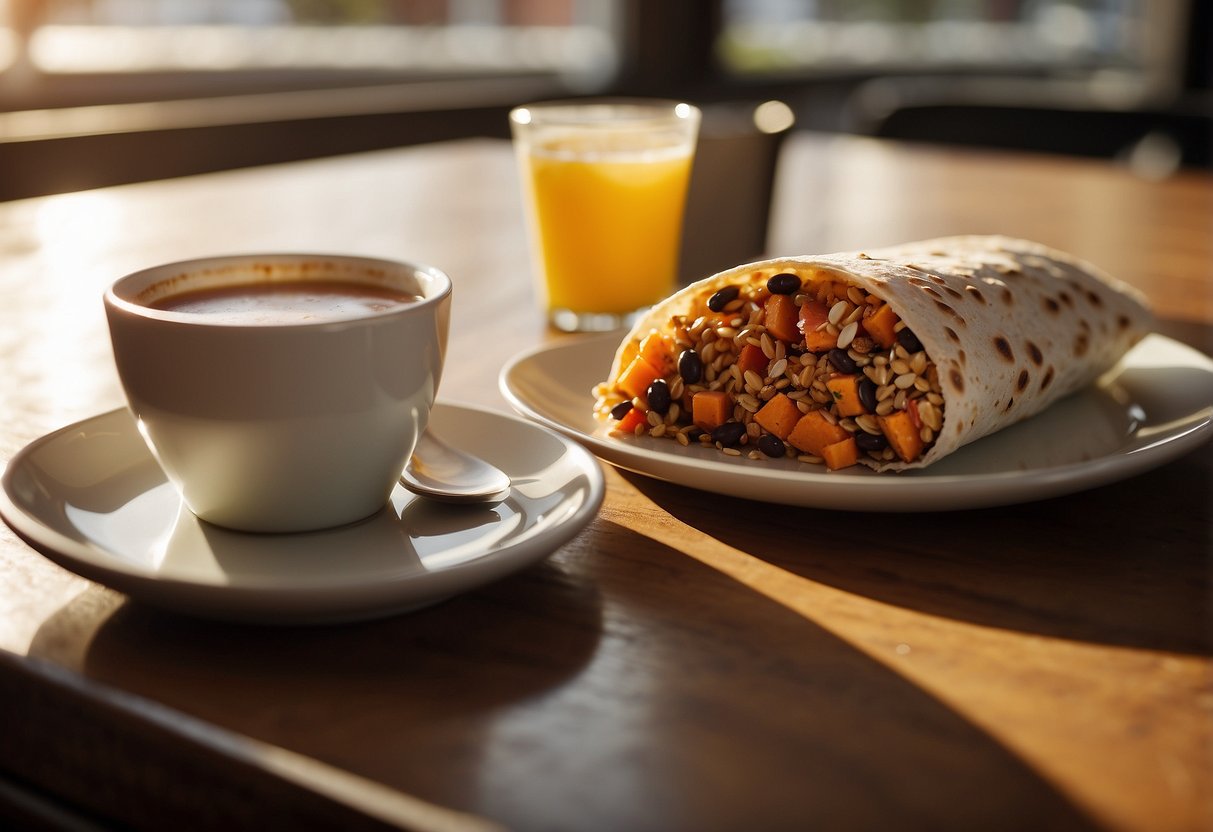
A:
{"points": [[605, 183]]}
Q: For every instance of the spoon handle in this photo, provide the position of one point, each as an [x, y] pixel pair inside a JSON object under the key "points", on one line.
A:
{"points": [[442, 472]]}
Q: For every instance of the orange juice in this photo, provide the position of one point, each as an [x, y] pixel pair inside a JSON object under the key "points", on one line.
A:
{"points": [[605, 182], [607, 225]]}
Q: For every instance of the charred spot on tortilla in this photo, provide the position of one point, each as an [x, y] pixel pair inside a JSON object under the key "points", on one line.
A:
{"points": [[1123, 322], [1004, 348], [1022, 381], [1066, 299], [1052, 306], [1007, 296], [976, 293], [1034, 353], [1010, 404], [951, 333], [953, 292], [1094, 299], [962, 356], [1081, 344], [958, 381], [1048, 379], [947, 308]]}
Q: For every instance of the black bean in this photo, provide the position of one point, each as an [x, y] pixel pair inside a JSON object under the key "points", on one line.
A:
{"points": [[867, 394], [870, 441], [620, 410], [690, 367], [729, 433], [783, 284], [659, 396], [909, 340], [725, 296], [771, 446], [842, 362]]}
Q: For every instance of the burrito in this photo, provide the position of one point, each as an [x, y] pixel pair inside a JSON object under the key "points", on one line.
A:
{"points": [[888, 358]]}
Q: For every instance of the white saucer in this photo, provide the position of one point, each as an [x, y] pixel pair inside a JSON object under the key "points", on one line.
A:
{"points": [[92, 499], [1154, 406]]}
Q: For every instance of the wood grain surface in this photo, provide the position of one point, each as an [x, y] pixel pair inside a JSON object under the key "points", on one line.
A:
{"points": [[689, 661]]}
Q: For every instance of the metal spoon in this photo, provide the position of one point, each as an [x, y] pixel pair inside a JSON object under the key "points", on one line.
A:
{"points": [[441, 472]]}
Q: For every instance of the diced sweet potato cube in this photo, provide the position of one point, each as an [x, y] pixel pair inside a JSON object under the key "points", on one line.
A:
{"points": [[752, 358], [813, 432], [778, 416], [635, 380], [822, 341], [898, 428], [845, 390], [710, 409], [635, 416], [812, 315], [657, 352], [840, 454], [880, 325], [780, 318]]}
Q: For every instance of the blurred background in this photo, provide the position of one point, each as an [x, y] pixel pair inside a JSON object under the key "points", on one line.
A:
{"points": [[100, 92]]}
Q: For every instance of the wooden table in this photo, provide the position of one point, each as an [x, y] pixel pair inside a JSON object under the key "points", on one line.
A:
{"points": [[689, 661]]}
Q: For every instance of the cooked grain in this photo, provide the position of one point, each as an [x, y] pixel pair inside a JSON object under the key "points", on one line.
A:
{"points": [[768, 346], [847, 335], [718, 339]]}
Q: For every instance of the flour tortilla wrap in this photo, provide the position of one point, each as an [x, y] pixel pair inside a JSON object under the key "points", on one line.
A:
{"points": [[1010, 325]]}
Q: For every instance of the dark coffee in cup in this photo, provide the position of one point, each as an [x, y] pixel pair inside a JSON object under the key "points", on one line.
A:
{"points": [[287, 302]]}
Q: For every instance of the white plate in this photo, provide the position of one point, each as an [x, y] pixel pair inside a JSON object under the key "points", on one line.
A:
{"points": [[1153, 407], [92, 499]]}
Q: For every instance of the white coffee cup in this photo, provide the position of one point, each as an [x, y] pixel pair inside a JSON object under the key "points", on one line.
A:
{"points": [[280, 425]]}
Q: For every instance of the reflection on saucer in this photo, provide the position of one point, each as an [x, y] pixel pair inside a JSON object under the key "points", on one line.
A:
{"points": [[378, 544]]}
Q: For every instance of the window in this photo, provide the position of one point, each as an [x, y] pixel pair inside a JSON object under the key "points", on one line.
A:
{"points": [[92, 51], [1026, 36]]}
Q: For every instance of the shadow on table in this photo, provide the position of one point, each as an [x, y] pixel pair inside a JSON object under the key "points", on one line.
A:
{"points": [[358, 690], [1128, 564], [710, 708], [640, 691]]}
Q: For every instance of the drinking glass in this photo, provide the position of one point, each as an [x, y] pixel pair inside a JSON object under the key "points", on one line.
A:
{"points": [[605, 182]]}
